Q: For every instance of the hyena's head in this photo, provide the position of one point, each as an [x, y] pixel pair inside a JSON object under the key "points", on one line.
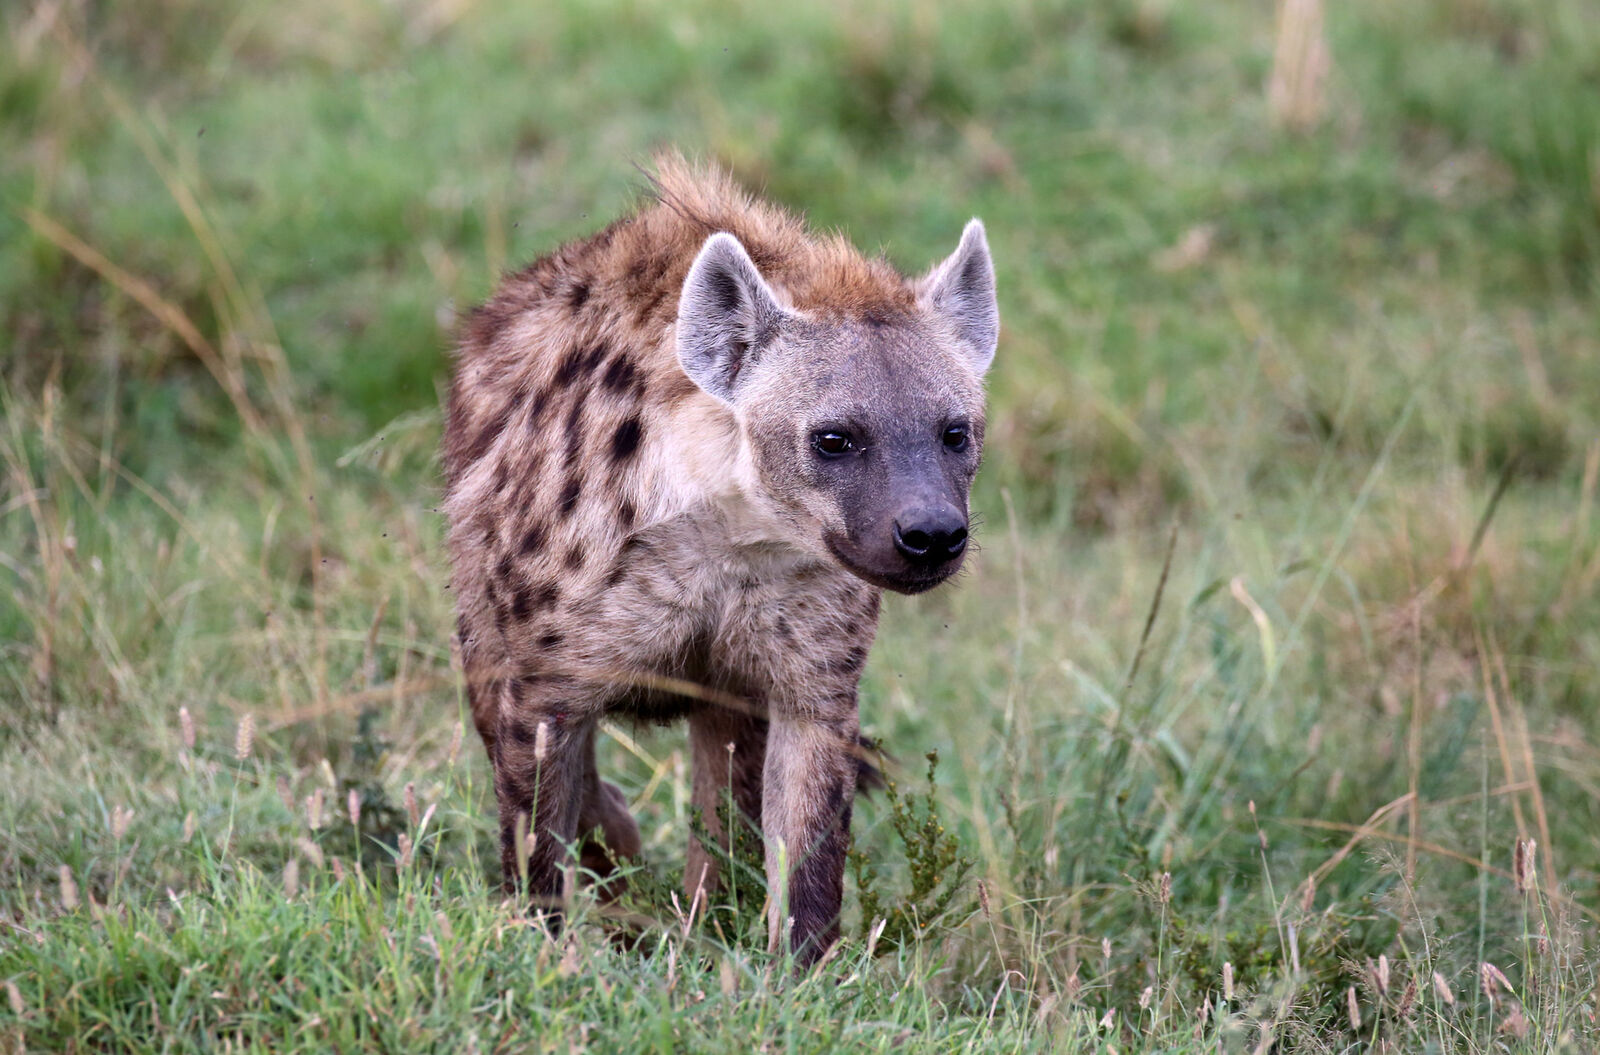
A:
{"points": [[865, 427]]}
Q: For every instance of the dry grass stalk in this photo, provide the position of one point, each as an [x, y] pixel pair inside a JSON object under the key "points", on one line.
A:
{"points": [[877, 932], [1296, 92], [168, 314]]}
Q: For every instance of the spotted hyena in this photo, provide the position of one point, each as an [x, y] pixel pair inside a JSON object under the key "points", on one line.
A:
{"points": [[684, 457]]}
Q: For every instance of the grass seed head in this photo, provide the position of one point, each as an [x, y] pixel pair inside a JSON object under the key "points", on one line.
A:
{"points": [[1352, 1008], [186, 728], [353, 807], [312, 851], [291, 877], [455, 744], [1408, 999], [1523, 866], [1493, 980], [1515, 1024], [1441, 989], [69, 889], [411, 804], [14, 995], [245, 737]]}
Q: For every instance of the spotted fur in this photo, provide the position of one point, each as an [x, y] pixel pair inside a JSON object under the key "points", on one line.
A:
{"points": [[623, 543]]}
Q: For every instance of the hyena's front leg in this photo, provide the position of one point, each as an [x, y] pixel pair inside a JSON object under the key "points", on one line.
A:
{"points": [[809, 787], [539, 770], [728, 752]]}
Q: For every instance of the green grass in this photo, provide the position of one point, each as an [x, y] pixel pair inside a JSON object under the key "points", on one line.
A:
{"points": [[1285, 626]]}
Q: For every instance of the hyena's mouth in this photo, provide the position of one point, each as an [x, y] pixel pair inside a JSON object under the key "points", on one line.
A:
{"points": [[900, 580]]}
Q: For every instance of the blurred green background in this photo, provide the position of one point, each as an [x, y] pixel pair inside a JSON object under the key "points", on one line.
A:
{"points": [[367, 170], [1289, 508]]}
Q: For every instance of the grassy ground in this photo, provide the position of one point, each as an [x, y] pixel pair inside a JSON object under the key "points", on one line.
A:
{"points": [[1285, 630]]}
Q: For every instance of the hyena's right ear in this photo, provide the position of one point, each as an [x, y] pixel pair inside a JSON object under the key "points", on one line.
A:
{"points": [[727, 316]]}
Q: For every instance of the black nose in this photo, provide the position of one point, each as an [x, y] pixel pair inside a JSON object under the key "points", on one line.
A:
{"points": [[931, 538]]}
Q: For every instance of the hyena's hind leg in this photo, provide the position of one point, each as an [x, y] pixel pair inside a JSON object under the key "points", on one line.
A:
{"points": [[728, 751], [540, 757], [609, 832]]}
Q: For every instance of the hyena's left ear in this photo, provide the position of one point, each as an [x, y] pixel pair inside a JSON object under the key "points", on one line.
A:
{"points": [[727, 316], [961, 288]]}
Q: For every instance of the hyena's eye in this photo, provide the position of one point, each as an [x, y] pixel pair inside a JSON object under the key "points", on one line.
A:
{"points": [[831, 444], [955, 437]]}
